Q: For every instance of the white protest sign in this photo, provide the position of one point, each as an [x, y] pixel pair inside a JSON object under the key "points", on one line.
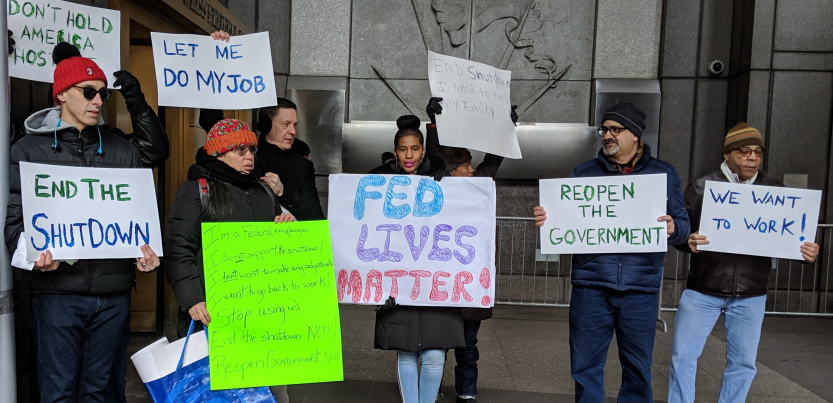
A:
{"points": [[476, 106], [88, 213], [423, 242], [39, 25], [604, 214], [195, 71], [758, 220]]}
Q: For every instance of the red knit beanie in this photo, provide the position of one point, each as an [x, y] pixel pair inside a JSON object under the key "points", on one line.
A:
{"points": [[228, 134], [72, 69]]}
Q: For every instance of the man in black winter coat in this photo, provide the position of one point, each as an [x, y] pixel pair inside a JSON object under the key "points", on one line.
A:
{"points": [[80, 311], [292, 174]]}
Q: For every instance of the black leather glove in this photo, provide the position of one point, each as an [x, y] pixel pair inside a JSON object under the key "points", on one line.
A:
{"points": [[438, 176], [390, 303], [129, 84], [11, 42], [514, 115], [434, 108]]}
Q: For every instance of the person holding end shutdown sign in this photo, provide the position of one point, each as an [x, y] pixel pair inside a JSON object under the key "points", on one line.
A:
{"points": [[617, 292], [87, 302], [732, 284]]}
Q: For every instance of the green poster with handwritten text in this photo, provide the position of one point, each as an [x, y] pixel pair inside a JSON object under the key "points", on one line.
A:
{"points": [[270, 291]]}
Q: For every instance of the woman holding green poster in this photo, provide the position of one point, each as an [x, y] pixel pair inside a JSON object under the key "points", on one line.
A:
{"points": [[416, 331], [221, 187]]}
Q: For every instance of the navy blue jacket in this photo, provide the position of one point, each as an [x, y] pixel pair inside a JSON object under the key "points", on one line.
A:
{"points": [[631, 271]]}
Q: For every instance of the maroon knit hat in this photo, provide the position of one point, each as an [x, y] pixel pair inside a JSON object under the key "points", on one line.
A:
{"points": [[72, 69]]}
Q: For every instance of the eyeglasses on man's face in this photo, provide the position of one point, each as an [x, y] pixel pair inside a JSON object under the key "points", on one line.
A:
{"points": [[745, 152], [614, 130], [89, 93]]}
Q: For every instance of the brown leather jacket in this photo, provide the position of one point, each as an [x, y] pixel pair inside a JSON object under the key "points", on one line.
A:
{"points": [[724, 273]]}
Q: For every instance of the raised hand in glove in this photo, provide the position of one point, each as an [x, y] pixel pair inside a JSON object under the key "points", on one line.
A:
{"points": [[11, 42], [130, 87], [434, 108], [439, 175], [514, 115], [389, 304]]}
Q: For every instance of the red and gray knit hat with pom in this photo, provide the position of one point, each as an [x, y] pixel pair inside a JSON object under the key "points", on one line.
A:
{"points": [[71, 68], [227, 135]]}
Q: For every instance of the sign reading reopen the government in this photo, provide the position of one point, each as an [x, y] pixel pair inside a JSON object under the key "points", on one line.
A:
{"points": [[605, 214]]}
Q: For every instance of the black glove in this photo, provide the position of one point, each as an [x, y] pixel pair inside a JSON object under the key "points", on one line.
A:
{"points": [[129, 84], [11, 42], [438, 176], [434, 108], [514, 115], [389, 304]]}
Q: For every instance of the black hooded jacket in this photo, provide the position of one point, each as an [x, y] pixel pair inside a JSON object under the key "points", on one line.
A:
{"points": [[183, 235], [91, 276], [297, 174]]}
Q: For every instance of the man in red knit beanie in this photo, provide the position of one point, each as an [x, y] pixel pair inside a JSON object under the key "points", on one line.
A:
{"points": [[80, 310]]}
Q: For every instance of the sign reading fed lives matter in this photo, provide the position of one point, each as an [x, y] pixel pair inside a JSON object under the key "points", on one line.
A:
{"points": [[604, 214], [420, 241], [195, 71], [40, 25], [758, 220], [476, 106], [88, 213]]}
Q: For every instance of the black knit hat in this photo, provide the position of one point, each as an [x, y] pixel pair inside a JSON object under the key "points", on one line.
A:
{"points": [[627, 115]]}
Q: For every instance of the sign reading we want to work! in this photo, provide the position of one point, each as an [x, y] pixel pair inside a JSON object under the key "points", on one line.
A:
{"points": [[758, 220], [195, 71], [88, 213], [414, 239], [270, 292], [40, 25], [607, 214]]}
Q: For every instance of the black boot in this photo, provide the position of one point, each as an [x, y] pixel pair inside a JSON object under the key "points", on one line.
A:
{"points": [[461, 400]]}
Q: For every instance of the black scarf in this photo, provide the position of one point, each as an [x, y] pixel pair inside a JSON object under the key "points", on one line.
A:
{"points": [[221, 171]]}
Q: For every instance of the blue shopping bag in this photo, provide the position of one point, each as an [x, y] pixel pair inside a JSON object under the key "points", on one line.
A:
{"points": [[191, 385]]}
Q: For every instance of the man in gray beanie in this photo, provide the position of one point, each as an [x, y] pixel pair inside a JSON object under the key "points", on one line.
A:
{"points": [[617, 292]]}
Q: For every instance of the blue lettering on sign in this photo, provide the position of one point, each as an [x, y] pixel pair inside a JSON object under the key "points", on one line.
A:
{"points": [[259, 85], [234, 53], [41, 230], [391, 211], [432, 208], [362, 193], [62, 235], [438, 253]]}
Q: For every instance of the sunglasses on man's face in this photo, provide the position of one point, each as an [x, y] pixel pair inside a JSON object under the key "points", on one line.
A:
{"points": [[89, 93]]}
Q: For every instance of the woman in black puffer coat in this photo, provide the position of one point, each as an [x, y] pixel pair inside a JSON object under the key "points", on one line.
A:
{"points": [[415, 331], [235, 194]]}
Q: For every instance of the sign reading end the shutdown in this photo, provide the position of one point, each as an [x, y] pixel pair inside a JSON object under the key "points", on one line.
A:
{"points": [[609, 214], [758, 220], [195, 71]]}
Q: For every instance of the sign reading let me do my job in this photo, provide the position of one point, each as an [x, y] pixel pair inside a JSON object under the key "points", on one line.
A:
{"points": [[420, 241], [195, 71], [39, 25], [607, 214], [476, 106], [271, 295], [88, 213], [758, 220]]}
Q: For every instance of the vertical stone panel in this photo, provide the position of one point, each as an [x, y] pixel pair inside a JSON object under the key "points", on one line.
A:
{"points": [[709, 126], [320, 38], [675, 125], [627, 38], [245, 11], [762, 34], [758, 107], [716, 35], [274, 17], [804, 25], [682, 23]]}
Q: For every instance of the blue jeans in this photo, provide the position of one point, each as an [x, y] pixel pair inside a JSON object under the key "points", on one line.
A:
{"points": [[595, 315], [695, 320], [465, 373], [420, 386], [78, 339]]}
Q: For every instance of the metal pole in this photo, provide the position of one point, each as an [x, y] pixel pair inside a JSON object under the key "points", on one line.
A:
{"points": [[8, 373]]}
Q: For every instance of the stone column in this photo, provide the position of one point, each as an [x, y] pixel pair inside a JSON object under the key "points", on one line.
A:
{"points": [[627, 38], [320, 38]]}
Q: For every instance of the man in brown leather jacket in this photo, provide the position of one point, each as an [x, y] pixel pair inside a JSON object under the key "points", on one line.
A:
{"points": [[723, 282]]}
